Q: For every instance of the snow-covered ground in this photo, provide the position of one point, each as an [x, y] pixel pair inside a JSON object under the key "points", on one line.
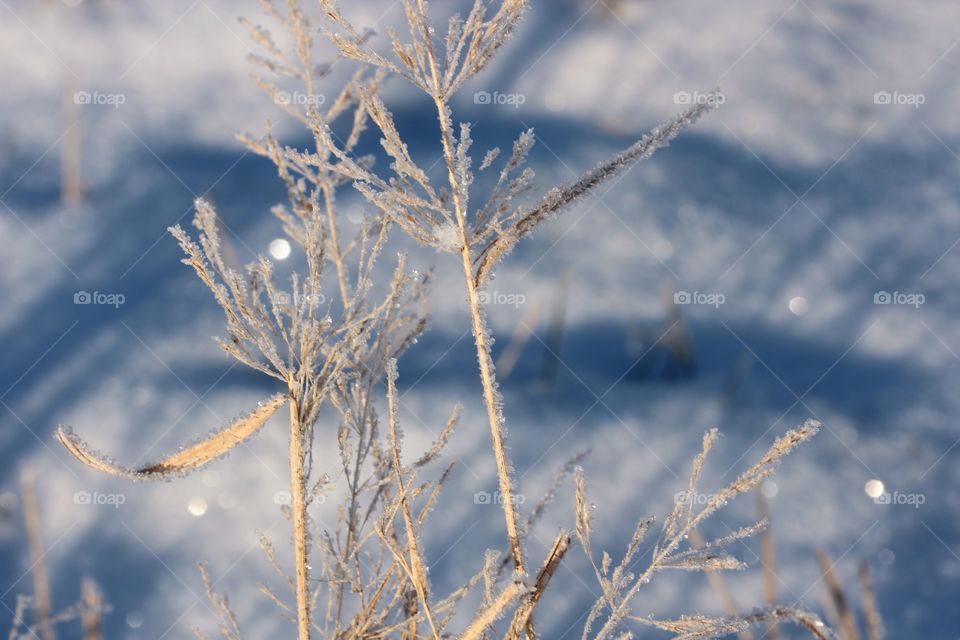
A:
{"points": [[826, 185]]}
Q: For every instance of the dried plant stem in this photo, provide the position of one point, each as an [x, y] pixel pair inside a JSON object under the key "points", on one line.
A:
{"points": [[496, 608], [768, 558], [92, 610], [38, 569], [868, 601], [336, 255], [71, 154], [418, 573], [522, 617], [555, 330], [18, 615], [352, 527], [481, 340], [489, 381], [522, 333], [298, 508], [841, 608]]}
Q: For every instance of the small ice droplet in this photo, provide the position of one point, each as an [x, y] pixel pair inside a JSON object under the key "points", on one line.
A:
{"points": [[279, 249], [134, 620], [197, 506], [874, 488], [799, 306], [886, 557]]}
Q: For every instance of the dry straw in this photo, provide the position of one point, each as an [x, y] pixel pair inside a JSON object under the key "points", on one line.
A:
{"points": [[34, 617], [331, 339]]}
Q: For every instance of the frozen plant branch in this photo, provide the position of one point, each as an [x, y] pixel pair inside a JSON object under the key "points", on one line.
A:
{"points": [[619, 586], [523, 221], [332, 339]]}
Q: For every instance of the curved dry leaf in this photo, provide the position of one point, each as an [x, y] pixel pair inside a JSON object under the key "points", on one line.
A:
{"points": [[189, 458]]}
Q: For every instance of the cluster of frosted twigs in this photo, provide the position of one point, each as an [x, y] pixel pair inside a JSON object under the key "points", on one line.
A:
{"points": [[368, 577]]}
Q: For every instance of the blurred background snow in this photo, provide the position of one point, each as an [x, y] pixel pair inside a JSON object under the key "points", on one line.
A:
{"points": [[825, 186]]}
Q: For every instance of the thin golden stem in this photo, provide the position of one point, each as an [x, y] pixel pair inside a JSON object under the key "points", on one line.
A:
{"points": [[481, 340], [337, 255], [869, 603], [489, 381], [417, 570], [522, 623], [352, 524], [41, 583], [768, 557], [93, 606], [298, 507]]}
